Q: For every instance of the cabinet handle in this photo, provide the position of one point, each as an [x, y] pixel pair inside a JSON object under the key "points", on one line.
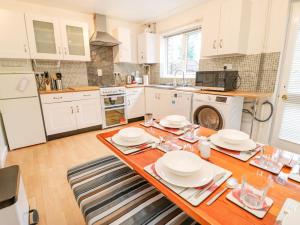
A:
{"points": [[72, 110], [221, 43], [77, 107], [66, 51], [214, 44], [25, 48], [87, 95], [57, 97]]}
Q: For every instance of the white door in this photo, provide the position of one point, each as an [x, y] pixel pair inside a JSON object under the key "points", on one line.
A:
{"points": [[59, 117], [88, 113], [13, 38], [43, 36], [22, 121], [75, 40], [286, 132], [210, 29]]}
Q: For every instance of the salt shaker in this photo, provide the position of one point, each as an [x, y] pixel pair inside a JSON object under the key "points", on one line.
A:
{"points": [[204, 148]]}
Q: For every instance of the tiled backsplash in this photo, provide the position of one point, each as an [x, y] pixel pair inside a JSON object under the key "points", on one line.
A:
{"points": [[73, 73], [258, 72], [102, 58]]}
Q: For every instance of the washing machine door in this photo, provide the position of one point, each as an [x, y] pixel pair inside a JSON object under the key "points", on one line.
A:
{"points": [[209, 117]]}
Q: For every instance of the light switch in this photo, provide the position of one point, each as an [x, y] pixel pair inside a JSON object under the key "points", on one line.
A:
{"points": [[99, 71]]}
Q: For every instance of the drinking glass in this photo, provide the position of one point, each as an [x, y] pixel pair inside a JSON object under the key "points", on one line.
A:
{"points": [[254, 189], [188, 148], [168, 143], [148, 119], [190, 131]]}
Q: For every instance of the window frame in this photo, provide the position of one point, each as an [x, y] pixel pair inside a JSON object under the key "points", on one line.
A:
{"points": [[164, 49]]}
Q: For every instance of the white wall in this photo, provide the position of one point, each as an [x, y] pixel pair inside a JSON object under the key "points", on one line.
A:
{"points": [[3, 145]]}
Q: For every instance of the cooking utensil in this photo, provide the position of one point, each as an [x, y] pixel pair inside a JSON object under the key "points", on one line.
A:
{"points": [[216, 178], [230, 184]]}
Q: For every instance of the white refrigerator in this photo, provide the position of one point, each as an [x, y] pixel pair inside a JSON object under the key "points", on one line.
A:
{"points": [[21, 110]]}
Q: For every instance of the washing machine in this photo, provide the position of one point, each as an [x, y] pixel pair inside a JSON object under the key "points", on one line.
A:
{"points": [[217, 112]]}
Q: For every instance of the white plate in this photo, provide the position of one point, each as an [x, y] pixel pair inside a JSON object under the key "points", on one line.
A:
{"points": [[292, 218], [165, 123], [175, 119], [201, 178], [120, 141], [245, 146], [182, 163], [233, 136], [131, 133]]}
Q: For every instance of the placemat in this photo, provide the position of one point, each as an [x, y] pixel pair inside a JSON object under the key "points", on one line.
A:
{"points": [[243, 156], [295, 173], [234, 196], [288, 206], [257, 163], [128, 150], [189, 194], [191, 140]]}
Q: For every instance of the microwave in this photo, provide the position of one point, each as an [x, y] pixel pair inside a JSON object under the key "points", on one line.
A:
{"points": [[217, 80]]}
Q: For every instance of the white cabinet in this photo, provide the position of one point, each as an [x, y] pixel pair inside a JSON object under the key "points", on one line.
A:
{"points": [[75, 40], [225, 27], [52, 38], [158, 102], [147, 48], [44, 37], [59, 117], [123, 51], [13, 39], [71, 111], [88, 113], [135, 106]]}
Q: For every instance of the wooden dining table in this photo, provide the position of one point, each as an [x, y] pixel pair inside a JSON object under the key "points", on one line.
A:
{"points": [[222, 211]]}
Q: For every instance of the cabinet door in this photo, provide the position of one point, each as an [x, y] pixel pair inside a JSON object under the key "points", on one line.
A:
{"points": [[88, 113], [75, 40], [210, 29], [13, 38], [147, 48], [135, 103], [59, 117], [152, 99], [141, 49], [43, 37], [122, 52], [234, 27]]}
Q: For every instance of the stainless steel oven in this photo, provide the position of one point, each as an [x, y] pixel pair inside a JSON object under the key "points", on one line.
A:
{"points": [[113, 106]]}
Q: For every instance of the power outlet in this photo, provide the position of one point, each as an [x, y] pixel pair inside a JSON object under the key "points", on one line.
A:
{"points": [[228, 66], [99, 72]]}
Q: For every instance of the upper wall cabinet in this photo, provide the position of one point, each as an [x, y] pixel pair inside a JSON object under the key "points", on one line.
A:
{"points": [[147, 48], [44, 37], [75, 40], [123, 51], [50, 38], [226, 27], [13, 39]]}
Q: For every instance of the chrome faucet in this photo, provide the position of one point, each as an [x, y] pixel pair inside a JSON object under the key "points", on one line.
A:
{"points": [[183, 76]]}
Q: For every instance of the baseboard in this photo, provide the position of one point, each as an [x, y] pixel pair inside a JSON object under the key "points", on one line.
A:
{"points": [[3, 156]]}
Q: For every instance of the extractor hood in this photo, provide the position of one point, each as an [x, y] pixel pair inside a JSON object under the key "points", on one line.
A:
{"points": [[100, 37]]}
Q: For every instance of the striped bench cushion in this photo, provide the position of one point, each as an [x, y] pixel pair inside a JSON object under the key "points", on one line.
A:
{"points": [[109, 192]]}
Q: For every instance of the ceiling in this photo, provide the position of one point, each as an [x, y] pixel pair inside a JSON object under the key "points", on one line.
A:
{"points": [[131, 10]]}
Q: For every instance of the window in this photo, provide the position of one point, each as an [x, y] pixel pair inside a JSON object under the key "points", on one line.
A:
{"points": [[181, 52]]}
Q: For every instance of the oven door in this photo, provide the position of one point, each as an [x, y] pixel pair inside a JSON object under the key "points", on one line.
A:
{"points": [[113, 100], [114, 117]]}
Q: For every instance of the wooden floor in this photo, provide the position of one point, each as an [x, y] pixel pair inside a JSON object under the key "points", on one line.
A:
{"points": [[44, 169]]}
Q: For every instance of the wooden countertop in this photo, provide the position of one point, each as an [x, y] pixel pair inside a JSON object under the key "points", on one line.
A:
{"points": [[71, 89], [245, 94], [222, 211]]}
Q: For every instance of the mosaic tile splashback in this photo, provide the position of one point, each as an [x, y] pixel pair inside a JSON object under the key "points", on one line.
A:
{"points": [[258, 72]]}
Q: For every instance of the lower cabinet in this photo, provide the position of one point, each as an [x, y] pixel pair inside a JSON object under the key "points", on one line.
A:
{"points": [[67, 112], [135, 107]]}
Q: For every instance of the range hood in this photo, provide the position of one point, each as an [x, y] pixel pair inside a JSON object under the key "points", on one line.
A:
{"points": [[100, 37]]}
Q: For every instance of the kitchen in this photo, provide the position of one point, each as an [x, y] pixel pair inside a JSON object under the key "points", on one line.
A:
{"points": [[79, 70]]}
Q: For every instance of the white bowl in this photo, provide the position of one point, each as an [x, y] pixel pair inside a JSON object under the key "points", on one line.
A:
{"points": [[131, 134], [182, 163], [233, 136], [175, 119]]}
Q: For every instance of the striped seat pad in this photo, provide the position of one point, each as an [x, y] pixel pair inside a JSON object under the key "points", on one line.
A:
{"points": [[109, 192]]}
